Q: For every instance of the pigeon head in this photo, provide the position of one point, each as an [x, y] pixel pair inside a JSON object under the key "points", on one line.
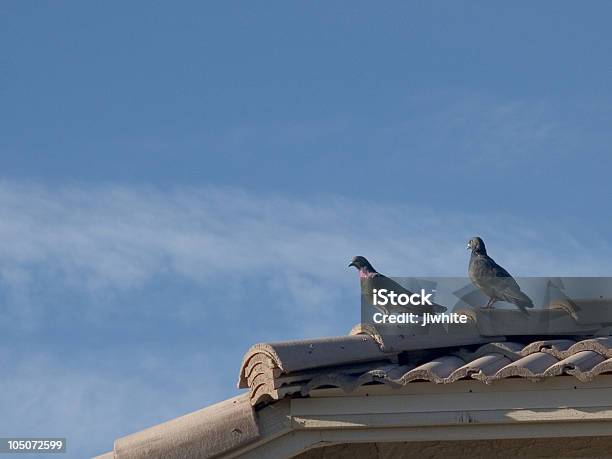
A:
{"points": [[362, 264], [476, 245]]}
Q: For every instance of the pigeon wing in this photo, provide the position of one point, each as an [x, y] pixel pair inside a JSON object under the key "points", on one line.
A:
{"points": [[496, 282], [507, 289]]}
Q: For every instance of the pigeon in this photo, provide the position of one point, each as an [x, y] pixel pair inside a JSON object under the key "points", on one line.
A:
{"points": [[371, 279], [493, 280]]}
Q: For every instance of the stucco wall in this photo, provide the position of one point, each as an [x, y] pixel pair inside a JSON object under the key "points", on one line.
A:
{"points": [[559, 448]]}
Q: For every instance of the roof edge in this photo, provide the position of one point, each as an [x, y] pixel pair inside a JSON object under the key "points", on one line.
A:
{"points": [[221, 427]]}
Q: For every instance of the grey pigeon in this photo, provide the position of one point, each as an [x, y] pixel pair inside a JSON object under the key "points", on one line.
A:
{"points": [[493, 280], [371, 279]]}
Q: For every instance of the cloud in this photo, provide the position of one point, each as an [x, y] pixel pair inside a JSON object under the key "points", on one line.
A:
{"points": [[91, 407], [120, 302], [116, 239], [438, 131], [475, 132]]}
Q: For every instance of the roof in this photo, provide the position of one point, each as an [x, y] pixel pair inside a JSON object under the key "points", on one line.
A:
{"points": [[203, 434], [297, 370], [274, 371]]}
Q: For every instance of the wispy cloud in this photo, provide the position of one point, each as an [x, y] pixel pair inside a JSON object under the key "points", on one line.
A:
{"points": [[466, 131], [137, 274], [93, 239], [475, 132], [45, 396]]}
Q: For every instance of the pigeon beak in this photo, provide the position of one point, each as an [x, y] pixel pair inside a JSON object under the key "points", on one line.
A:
{"points": [[468, 247], [352, 263]]}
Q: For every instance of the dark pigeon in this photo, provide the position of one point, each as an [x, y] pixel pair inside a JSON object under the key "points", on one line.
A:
{"points": [[493, 280], [371, 279]]}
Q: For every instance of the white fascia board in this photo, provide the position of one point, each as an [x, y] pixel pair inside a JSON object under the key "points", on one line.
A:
{"points": [[464, 410]]}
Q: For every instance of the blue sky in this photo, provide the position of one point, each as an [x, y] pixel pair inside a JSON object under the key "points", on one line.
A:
{"points": [[178, 182]]}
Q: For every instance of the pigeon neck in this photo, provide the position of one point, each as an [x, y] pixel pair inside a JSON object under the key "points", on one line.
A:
{"points": [[479, 251], [366, 272]]}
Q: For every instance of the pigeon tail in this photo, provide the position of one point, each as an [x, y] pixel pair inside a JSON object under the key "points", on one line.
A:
{"points": [[525, 300], [522, 301]]}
